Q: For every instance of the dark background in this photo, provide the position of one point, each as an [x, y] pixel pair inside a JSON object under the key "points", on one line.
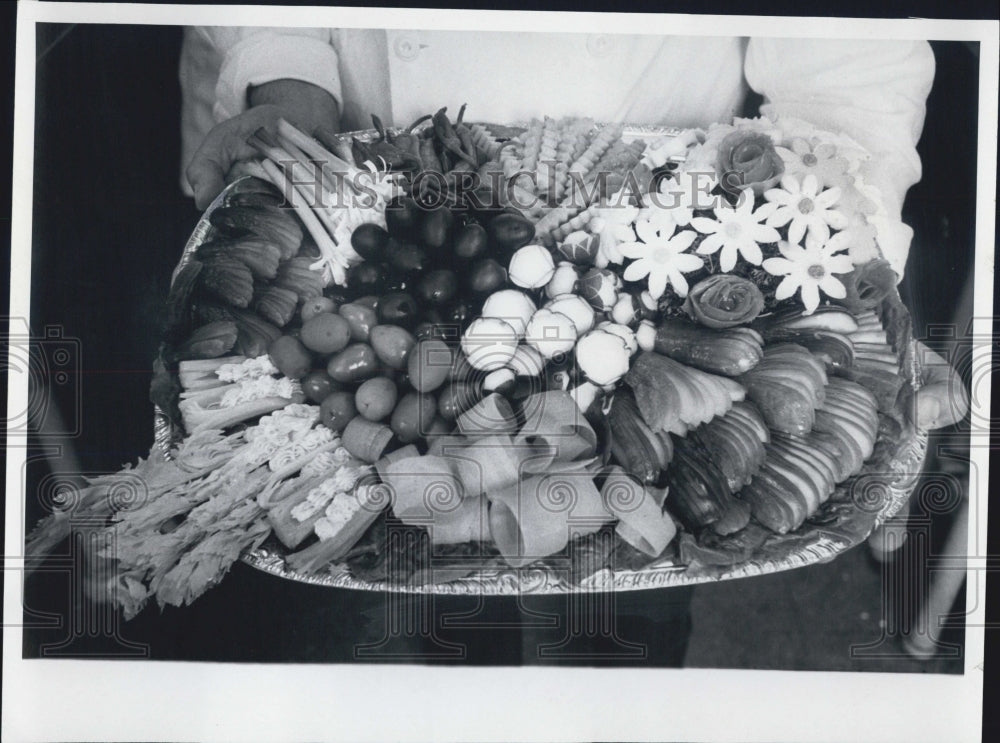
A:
{"points": [[109, 223]]}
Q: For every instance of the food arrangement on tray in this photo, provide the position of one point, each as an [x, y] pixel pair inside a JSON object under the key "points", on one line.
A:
{"points": [[462, 354]]}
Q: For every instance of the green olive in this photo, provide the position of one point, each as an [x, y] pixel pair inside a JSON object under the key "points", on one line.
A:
{"points": [[356, 362], [317, 385], [413, 416], [392, 345], [376, 398], [326, 333], [290, 356], [337, 410], [360, 319], [429, 364], [455, 399], [317, 306]]}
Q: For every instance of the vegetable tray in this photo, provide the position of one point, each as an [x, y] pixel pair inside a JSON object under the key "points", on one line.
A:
{"points": [[857, 507]]}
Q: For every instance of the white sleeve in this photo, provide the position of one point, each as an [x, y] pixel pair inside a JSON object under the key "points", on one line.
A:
{"points": [[874, 91], [254, 56]]}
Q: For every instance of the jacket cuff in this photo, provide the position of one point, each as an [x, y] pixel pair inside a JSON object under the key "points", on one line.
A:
{"points": [[263, 58]]}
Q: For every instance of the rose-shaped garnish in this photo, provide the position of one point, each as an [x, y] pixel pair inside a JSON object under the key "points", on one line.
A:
{"points": [[723, 301], [868, 284], [748, 159]]}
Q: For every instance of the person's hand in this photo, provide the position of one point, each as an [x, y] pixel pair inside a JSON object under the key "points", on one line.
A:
{"points": [[942, 399], [306, 106]]}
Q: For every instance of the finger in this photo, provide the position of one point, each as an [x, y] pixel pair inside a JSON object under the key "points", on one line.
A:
{"points": [[942, 399], [225, 145], [207, 179], [941, 404]]}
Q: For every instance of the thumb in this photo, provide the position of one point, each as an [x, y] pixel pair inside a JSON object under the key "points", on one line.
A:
{"points": [[225, 145], [942, 399], [207, 179]]}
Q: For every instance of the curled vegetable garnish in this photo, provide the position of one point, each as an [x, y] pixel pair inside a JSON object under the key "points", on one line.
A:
{"points": [[748, 159], [723, 301], [868, 284]]}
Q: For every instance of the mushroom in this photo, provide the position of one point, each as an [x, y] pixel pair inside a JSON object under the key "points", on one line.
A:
{"points": [[550, 333], [489, 343], [563, 281], [512, 306], [531, 267], [602, 356], [576, 309]]}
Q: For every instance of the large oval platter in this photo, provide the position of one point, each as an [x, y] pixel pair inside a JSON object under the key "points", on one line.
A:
{"points": [[858, 507]]}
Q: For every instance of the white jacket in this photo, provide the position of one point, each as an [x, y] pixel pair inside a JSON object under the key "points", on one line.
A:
{"points": [[874, 91]]}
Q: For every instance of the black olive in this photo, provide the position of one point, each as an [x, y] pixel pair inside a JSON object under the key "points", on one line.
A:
{"points": [[397, 308], [486, 276], [435, 229], [405, 257], [369, 241], [402, 216], [366, 277], [471, 241], [437, 287]]}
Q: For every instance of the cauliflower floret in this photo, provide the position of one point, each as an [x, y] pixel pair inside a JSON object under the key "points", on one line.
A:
{"points": [[259, 388], [260, 366]]}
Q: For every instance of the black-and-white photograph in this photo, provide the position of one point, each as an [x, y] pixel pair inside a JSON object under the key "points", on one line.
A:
{"points": [[412, 345]]}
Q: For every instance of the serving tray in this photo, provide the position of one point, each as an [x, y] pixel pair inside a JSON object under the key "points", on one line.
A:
{"points": [[857, 507]]}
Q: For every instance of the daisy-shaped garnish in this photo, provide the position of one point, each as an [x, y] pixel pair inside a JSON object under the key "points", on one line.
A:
{"points": [[660, 256], [810, 269], [860, 203], [818, 158], [676, 198], [803, 207], [613, 224], [736, 231]]}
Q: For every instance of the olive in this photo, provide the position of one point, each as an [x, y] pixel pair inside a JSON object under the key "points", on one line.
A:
{"points": [[290, 356], [435, 228], [406, 257], [397, 281], [392, 345], [437, 287], [438, 427], [461, 370], [471, 241], [369, 300], [360, 319], [366, 277], [413, 415], [432, 315], [317, 306], [317, 385], [429, 364], [402, 216], [455, 399], [369, 240], [397, 308], [338, 294], [510, 232], [486, 276], [426, 329], [326, 333], [376, 398], [337, 410], [356, 362], [458, 314]]}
